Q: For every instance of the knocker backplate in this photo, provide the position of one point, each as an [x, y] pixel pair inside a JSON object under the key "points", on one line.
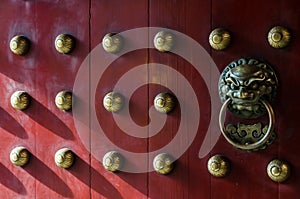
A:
{"points": [[248, 134], [247, 82]]}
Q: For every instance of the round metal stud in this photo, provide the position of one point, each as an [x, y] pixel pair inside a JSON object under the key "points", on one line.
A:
{"points": [[163, 163], [64, 43], [20, 100], [113, 102], [278, 170], [112, 43], [19, 45], [63, 100], [164, 41], [218, 166], [279, 37], [112, 161], [19, 156], [64, 158], [164, 102], [219, 39]]}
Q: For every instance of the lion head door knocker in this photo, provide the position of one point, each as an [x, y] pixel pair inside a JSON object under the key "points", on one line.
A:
{"points": [[246, 88]]}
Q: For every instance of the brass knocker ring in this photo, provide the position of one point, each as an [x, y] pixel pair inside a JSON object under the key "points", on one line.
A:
{"points": [[248, 146]]}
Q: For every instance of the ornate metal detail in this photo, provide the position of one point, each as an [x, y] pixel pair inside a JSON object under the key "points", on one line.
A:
{"points": [[218, 166], [278, 170], [19, 156], [64, 158], [20, 100], [19, 45], [164, 41], [112, 161], [219, 39], [247, 82], [164, 102], [112, 43], [279, 37], [248, 134], [247, 144], [163, 163], [246, 86], [113, 102], [63, 100], [64, 43]]}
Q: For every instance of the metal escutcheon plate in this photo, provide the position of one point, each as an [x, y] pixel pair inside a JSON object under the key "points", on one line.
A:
{"points": [[247, 82]]}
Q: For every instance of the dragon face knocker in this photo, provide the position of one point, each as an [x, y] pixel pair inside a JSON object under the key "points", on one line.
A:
{"points": [[246, 82], [246, 88]]}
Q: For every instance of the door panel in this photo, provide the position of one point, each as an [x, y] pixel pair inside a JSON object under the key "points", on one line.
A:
{"points": [[17, 128], [190, 178], [56, 72], [248, 178], [117, 17], [249, 39], [42, 73]]}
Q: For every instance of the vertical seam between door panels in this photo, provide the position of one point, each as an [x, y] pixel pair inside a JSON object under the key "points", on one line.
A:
{"points": [[185, 30], [148, 94], [89, 90], [278, 150], [35, 18], [35, 83], [211, 55]]}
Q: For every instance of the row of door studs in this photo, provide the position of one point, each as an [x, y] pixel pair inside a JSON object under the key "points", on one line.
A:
{"points": [[219, 39], [163, 163], [112, 102], [112, 161]]}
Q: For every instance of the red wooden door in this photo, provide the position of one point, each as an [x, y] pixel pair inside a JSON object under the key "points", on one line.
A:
{"points": [[138, 71]]}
